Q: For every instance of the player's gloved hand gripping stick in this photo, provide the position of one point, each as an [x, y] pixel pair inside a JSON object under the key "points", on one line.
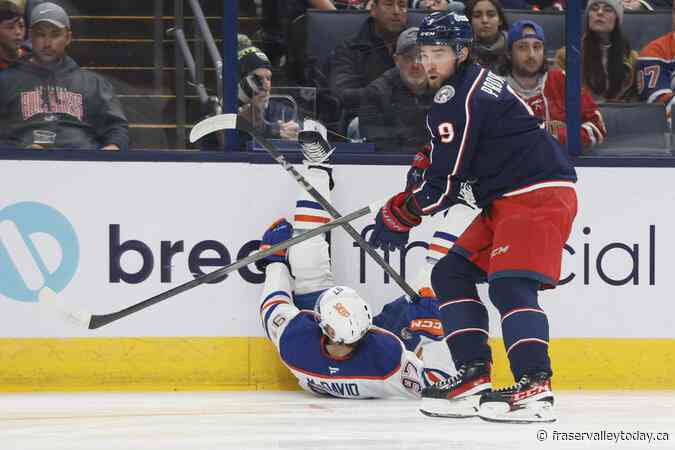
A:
{"points": [[393, 224], [233, 121]]}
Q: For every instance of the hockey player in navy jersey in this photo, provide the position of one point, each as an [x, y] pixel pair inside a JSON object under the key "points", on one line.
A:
{"points": [[489, 149], [326, 334]]}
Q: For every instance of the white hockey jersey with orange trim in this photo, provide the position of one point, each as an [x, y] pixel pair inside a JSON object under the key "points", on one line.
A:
{"points": [[380, 366]]}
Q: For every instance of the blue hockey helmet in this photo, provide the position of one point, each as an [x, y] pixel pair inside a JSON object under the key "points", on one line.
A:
{"points": [[446, 28]]}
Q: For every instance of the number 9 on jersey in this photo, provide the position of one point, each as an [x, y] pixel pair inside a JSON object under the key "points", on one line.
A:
{"points": [[447, 132]]}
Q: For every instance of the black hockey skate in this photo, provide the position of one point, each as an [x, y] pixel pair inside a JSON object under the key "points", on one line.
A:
{"points": [[458, 397], [530, 400]]}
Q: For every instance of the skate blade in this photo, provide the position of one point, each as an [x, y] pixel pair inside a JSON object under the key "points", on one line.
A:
{"points": [[462, 408], [519, 421], [532, 414], [445, 416]]}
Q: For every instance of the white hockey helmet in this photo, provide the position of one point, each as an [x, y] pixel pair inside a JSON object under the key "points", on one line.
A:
{"points": [[343, 315]]}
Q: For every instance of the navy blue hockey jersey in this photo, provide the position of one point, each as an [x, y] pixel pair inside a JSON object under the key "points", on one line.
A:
{"points": [[486, 142]]}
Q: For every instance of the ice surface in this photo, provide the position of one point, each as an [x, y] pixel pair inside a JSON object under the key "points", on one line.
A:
{"points": [[296, 420]]}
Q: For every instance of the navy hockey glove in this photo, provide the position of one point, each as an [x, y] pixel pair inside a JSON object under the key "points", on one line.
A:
{"points": [[420, 163], [249, 87], [393, 224], [279, 231]]}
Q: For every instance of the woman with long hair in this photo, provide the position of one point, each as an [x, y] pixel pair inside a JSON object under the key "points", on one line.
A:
{"points": [[489, 31], [608, 62]]}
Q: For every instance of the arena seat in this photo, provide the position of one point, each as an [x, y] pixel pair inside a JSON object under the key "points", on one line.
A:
{"points": [[634, 129], [643, 27]]}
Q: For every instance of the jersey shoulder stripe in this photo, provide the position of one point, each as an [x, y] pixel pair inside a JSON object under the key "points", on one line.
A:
{"points": [[272, 302], [661, 49], [274, 298]]}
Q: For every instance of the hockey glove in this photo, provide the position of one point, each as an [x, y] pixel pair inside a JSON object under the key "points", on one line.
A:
{"points": [[279, 231], [393, 224], [420, 163], [249, 87]]}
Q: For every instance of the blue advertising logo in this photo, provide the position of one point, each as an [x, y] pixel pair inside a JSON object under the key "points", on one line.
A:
{"points": [[38, 248]]}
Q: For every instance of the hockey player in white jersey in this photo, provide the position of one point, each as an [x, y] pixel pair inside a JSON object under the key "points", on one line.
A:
{"points": [[325, 333]]}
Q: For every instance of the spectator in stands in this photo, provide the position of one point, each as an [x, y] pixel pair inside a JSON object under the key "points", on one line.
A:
{"points": [[393, 112], [365, 56], [489, 31], [274, 119], [12, 32], [48, 101], [543, 89], [656, 70], [608, 62]]}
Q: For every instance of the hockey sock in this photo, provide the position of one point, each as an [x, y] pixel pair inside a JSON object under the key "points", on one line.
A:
{"points": [[310, 260], [524, 325], [464, 317]]}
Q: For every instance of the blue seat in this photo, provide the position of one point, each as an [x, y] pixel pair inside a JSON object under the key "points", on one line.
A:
{"points": [[643, 27], [634, 129]]}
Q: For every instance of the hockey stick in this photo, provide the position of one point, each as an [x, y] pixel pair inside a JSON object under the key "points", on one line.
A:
{"points": [[233, 121], [93, 321]]}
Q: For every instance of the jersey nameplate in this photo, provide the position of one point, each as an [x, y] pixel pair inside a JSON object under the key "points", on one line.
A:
{"points": [[493, 85], [334, 388]]}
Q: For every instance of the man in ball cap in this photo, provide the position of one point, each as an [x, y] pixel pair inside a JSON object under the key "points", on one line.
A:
{"points": [[395, 105], [543, 89], [48, 101]]}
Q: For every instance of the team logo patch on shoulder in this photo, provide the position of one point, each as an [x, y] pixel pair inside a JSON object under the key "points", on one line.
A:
{"points": [[444, 94]]}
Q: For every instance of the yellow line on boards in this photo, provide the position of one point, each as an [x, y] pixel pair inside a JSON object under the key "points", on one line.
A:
{"points": [[250, 363]]}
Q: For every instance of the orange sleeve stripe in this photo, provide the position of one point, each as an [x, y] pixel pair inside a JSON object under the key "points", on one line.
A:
{"points": [[306, 218], [438, 248]]}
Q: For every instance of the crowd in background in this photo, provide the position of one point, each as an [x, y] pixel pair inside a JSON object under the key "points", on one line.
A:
{"points": [[383, 96], [46, 99], [370, 89]]}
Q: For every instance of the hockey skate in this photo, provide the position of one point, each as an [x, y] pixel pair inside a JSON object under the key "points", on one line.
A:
{"points": [[458, 397], [530, 400]]}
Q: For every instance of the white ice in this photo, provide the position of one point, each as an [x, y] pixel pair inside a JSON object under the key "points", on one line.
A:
{"points": [[295, 420]]}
